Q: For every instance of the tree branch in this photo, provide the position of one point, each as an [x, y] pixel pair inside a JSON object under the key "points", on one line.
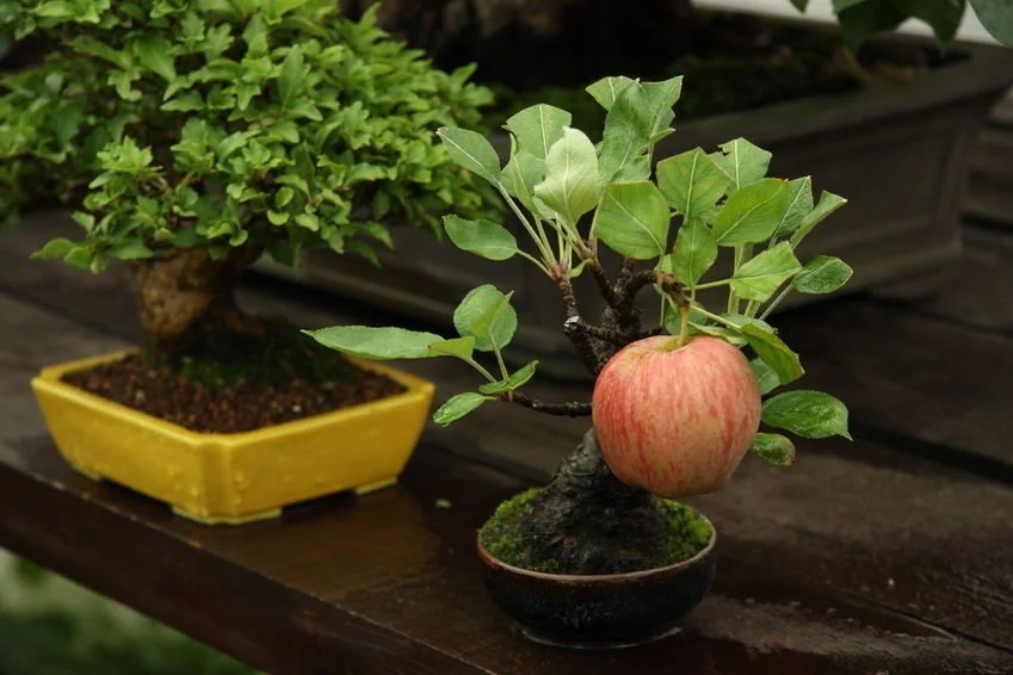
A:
{"points": [[568, 409], [581, 340]]}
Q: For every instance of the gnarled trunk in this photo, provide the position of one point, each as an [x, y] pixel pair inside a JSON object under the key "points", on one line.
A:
{"points": [[186, 295], [588, 522]]}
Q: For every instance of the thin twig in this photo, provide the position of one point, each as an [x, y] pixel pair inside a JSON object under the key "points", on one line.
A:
{"points": [[568, 409]]}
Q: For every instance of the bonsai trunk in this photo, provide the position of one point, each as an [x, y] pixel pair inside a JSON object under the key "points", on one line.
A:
{"points": [[185, 297], [587, 522]]}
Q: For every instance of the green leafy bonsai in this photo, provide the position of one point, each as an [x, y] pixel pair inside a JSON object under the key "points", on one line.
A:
{"points": [[676, 403], [192, 136]]}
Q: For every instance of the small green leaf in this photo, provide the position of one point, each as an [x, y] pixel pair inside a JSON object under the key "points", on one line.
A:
{"points": [[578, 270], [765, 376], [743, 161], [809, 414], [293, 72], [54, 248], [608, 89], [753, 213], [482, 237], [520, 176], [537, 128], [829, 202], [486, 314], [571, 186], [458, 406], [132, 249], [800, 5], [760, 277], [774, 448], [695, 252], [633, 220], [693, 184], [800, 205], [822, 274], [515, 381], [462, 347], [774, 352], [379, 344], [472, 151], [155, 54]]}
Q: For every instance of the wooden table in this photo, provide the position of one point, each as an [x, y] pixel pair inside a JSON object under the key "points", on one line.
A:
{"points": [[890, 555]]}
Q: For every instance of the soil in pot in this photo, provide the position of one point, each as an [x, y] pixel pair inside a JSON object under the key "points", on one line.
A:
{"points": [[234, 382], [683, 535]]}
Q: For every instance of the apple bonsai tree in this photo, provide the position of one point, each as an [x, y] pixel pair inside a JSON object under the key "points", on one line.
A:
{"points": [[191, 137], [676, 402]]}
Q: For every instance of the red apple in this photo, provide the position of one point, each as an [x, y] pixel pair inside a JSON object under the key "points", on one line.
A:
{"points": [[676, 420]]}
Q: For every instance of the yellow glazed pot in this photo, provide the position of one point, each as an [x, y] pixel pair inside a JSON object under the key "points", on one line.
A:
{"points": [[234, 478]]}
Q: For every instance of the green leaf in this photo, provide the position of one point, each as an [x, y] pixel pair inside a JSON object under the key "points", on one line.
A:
{"points": [[461, 348], [515, 381], [54, 248], [800, 205], [861, 19], [997, 18], [458, 406], [633, 220], [744, 162], [695, 252], [774, 448], [293, 72], [639, 113], [155, 54], [481, 237], [520, 176], [753, 213], [765, 376], [380, 344], [822, 274], [774, 352], [800, 5], [132, 249], [829, 202], [693, 184], [809, 414], [608, 89], [537, 128], [760, 277], [571, 186], [486, 314], [472, 151]]}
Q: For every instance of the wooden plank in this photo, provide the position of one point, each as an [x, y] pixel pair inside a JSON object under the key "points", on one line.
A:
{"points": [[389, 583]]}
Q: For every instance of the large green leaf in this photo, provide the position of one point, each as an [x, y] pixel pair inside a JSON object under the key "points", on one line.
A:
{"points": [[608, 89], [633, 220], [774, 352], [765, 376], [472, 151], [380, 344], [753, 213], [481, 237], [461, 348], [760, 277], [829, 202], [997, 18], [774, 448], [861, 19], [537, 128], [695, 252], [800, 205], [809, 414], [693, 184], [458, 406], [486, 314], [571, 187], [822, 274], [744, 162]]}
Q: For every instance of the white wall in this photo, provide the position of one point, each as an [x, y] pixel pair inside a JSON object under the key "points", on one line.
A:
{"points": [[821, 10]]}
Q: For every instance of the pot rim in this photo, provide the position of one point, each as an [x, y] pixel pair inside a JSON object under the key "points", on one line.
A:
{"points": [[619, 577]]}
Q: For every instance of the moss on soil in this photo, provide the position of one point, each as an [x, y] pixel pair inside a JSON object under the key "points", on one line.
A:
{"points": [[687, 534]]}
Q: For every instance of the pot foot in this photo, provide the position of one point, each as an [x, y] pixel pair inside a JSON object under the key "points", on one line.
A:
{"points": [[373, 487], [536, 637], [227, 520]]}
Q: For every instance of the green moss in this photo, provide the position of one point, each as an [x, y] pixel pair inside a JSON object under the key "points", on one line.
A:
{"points": [[274, 353], [687, 532]]}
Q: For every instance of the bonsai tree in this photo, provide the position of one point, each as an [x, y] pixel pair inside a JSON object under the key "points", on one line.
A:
{"points": [[676, 402], [190, 137]]}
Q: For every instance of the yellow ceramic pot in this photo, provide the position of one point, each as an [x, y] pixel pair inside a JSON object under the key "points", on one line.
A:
{"points": [[234, 478]]}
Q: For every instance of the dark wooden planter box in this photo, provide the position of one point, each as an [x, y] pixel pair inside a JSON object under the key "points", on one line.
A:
{"points": [[899, 153]]}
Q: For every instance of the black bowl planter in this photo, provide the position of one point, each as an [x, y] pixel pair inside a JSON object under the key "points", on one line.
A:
{"points": [[899, 153], [600, 611]]}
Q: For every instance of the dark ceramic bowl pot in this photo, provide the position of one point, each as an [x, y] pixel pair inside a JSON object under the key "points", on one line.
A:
{"points": [[600, 611]]}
